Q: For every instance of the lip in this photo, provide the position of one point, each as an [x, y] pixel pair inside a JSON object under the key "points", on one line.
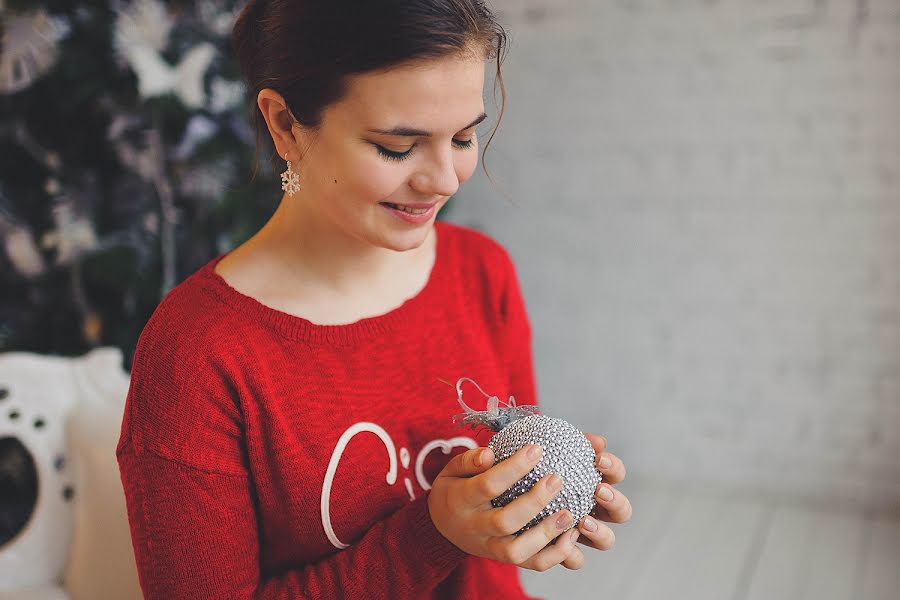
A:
{"points": [[414, 205], [423, 218]]}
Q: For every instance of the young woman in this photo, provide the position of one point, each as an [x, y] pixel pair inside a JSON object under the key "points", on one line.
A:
{"points": [[286, 433]]}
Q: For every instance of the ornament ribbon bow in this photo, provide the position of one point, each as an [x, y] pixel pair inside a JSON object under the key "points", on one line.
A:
{"points": [[496, 417]]}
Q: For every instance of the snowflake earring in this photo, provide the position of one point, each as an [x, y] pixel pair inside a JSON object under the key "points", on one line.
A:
{"points": [[290, 181]]}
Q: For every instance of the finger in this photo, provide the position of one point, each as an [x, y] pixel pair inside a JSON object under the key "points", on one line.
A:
{"points": [[595, 534], [554, 554], [597, 441], [515, 515], [469, 463], [611, 467], [517, 549], [501, 476], [616, 509], [575, 560]]}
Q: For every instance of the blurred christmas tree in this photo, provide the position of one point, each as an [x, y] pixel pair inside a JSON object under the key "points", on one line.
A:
{"points": [[126, 154]]}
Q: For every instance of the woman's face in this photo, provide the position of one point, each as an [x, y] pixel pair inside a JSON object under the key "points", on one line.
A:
{"points": [[402, 136]]}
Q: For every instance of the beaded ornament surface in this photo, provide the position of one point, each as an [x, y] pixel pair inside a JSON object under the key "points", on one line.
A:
{"points": [[567, 452]]}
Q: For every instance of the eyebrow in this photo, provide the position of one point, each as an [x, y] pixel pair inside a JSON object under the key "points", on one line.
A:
{"points": [[410, 132]]}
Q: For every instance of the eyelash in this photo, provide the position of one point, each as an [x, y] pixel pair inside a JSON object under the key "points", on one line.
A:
{"points": [[399, 156]]}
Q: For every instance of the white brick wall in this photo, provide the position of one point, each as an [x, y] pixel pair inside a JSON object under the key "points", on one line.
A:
{"points": [[707, 230]]}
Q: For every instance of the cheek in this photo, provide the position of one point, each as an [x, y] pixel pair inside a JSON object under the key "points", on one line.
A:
{"points": [[379, 179], [465, 165], [368, 179]]}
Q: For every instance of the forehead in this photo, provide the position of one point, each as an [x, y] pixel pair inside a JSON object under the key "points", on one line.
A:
{"points": [[440, 95]]}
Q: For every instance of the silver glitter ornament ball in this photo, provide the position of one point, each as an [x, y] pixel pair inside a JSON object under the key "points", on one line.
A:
{"points": [[567, 452]]}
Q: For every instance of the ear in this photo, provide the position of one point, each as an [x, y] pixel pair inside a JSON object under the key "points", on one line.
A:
{"points": [[282, 126]]}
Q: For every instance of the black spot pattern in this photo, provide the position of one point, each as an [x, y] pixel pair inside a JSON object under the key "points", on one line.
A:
{"points": [[19, 479], [19, 482]]}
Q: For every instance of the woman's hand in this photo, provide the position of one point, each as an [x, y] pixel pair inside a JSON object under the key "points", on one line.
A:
{"points": [[614, 508], [460, 507]]}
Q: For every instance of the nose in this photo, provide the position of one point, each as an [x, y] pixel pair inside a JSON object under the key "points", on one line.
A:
{"points": [[438, 176]]}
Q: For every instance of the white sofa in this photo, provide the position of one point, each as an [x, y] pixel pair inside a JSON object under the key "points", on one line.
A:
{"points": [[59, 421]]}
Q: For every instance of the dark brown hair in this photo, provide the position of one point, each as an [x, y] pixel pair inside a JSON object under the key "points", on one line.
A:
{"points": [[306, 49]]}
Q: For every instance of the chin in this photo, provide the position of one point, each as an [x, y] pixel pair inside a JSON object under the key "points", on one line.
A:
{"points": [[409, 240]]}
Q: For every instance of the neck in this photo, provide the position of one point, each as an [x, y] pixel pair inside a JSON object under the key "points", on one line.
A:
{"points": [[314, 249]]}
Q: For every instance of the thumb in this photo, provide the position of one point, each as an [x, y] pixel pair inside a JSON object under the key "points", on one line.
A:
{"points": [[469, 463]]}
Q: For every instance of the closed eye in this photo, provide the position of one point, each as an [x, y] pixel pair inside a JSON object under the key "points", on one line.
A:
{"points": [[398, 156]]}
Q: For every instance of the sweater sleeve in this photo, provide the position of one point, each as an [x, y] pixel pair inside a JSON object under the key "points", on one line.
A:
{"points": [[192, 505], [195, 536]]}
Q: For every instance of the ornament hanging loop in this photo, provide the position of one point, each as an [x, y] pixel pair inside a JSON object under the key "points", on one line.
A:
{"points": [[498, 415]]}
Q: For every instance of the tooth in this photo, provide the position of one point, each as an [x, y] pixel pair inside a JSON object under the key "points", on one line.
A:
{"points": [[406, 209]]}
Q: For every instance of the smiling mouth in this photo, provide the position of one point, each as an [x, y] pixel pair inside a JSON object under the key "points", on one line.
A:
{"points": [[407, 209]]}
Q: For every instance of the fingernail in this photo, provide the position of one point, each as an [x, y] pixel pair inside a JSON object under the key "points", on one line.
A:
{"points": [[479, 458], [606, 494], [590, 524], [605, 463], [564, 521], [574, 535], [534, 452], [554, 483]]}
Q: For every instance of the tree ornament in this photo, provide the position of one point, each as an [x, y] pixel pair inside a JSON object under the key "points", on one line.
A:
{"points": [[141, 34], [567, 452], [28, 47], [225, 94], [73, 234], [18, 242]]}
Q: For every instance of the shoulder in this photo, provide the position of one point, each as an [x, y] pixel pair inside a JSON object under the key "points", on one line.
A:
{"points": [[189, 336], [182, 401], [190, 317], [486, 267], [477, 249]]}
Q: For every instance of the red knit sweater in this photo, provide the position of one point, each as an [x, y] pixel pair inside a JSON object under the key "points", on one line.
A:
{"points": [[265, 456]]}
